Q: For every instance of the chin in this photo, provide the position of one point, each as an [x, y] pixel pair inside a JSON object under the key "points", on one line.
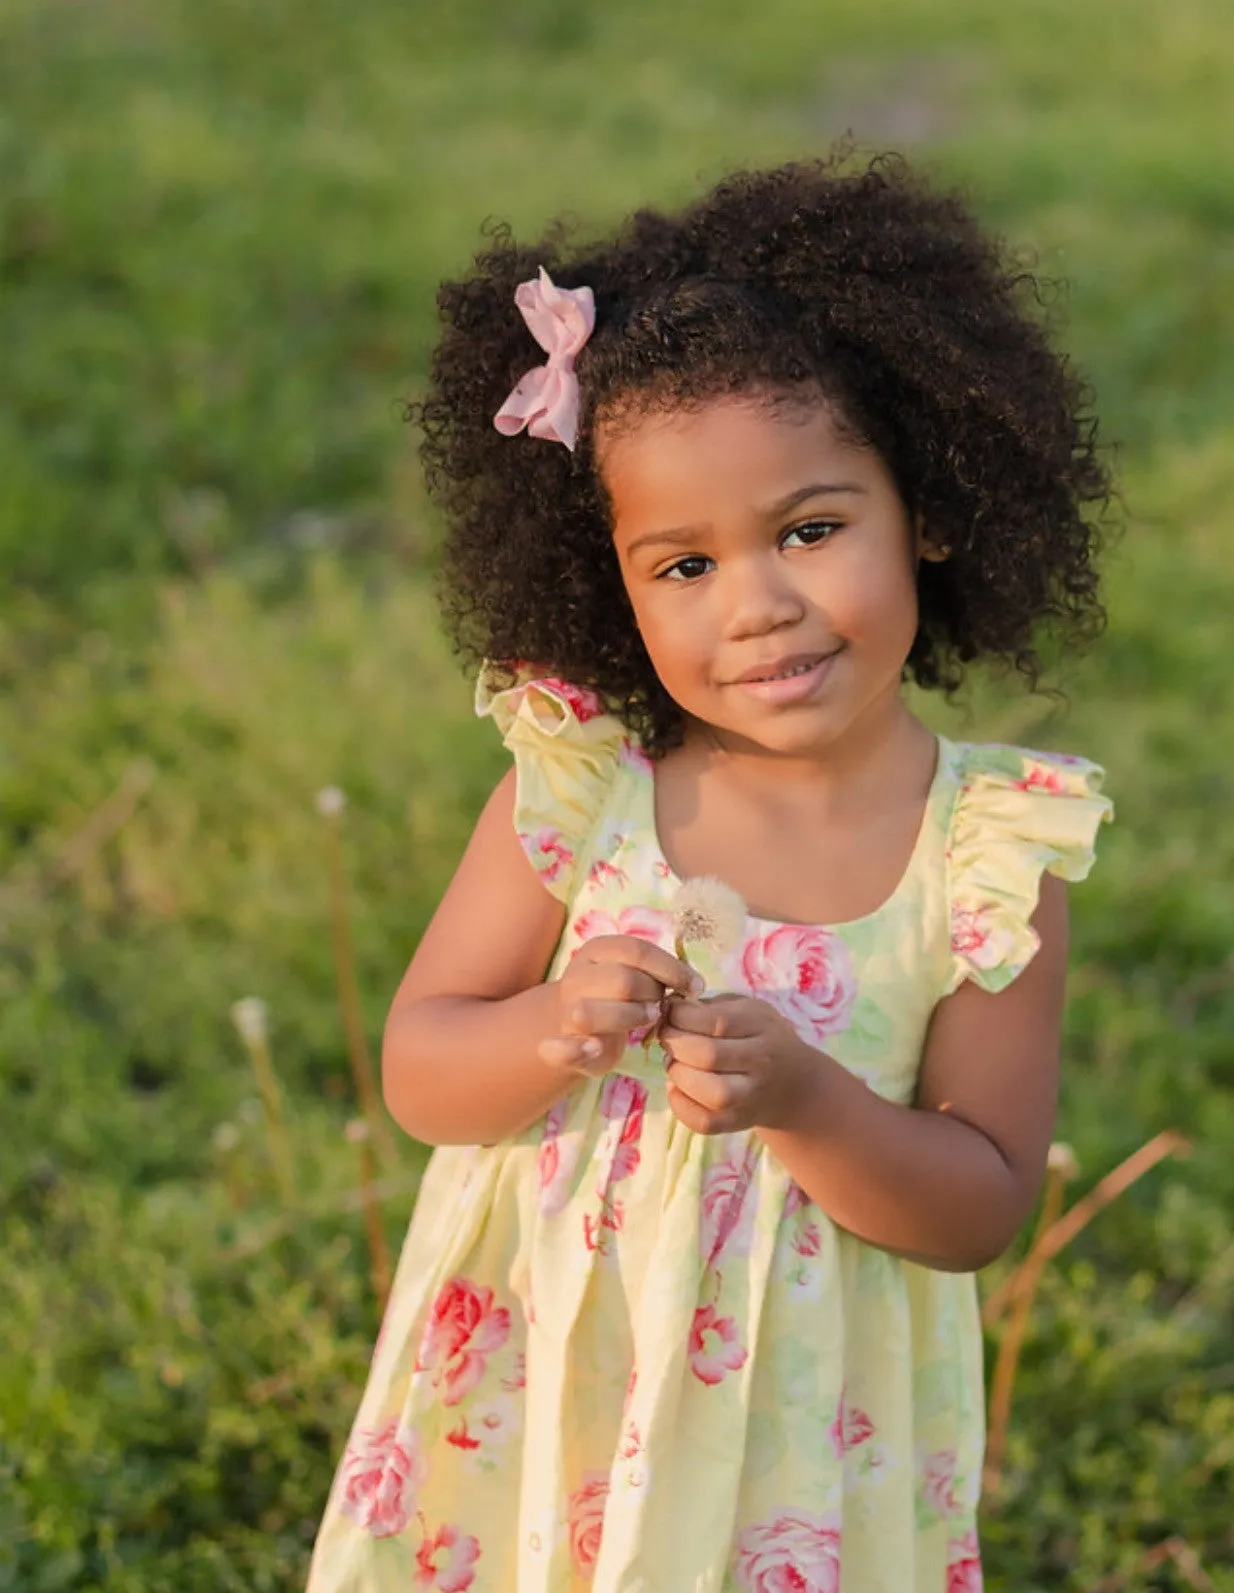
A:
{"points": [[790, 734]]}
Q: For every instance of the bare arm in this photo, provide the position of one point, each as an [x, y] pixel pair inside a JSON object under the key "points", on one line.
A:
{"points": [[949, 1181], [477, 1046], [459, 1058]]}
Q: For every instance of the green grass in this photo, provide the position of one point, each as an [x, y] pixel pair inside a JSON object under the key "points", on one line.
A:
{"points": [[221, 226]]}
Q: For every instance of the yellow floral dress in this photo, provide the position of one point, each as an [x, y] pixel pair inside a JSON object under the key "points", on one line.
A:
{"points": [[624, 1357]]}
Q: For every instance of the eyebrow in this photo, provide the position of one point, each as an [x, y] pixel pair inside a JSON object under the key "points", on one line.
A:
{"points": [[680, 535]]}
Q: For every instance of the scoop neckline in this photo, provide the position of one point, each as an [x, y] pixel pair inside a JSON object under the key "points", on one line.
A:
{"points": [[942, 774]]}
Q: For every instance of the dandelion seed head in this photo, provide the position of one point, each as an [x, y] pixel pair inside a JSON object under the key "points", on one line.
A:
{"points": [[331, 801], [707, 912], [1062, 1159], [249, 1017], [226, 1138]]}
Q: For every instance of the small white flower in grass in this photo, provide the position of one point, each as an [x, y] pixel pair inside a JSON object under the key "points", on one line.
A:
{"points": [[1062, 1160], [249, 1017], [707, 915], [357, 1131], [226, 1138], [331, 801]]}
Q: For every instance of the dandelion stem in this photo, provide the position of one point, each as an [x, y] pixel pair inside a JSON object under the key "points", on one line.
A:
{"points": [[1061, 1233], [1174, 1550], [348, 984], [1027, 1277], [1055, 1230], [258, 1046], [226, 1146], [360, 1134]]}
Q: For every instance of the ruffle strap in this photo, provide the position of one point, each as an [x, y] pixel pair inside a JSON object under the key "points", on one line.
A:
{"points": [[1019, 814], [566, 748]]}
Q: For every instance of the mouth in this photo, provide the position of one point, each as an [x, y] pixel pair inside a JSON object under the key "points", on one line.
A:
{"points": [[784, 668], [782, 682]]}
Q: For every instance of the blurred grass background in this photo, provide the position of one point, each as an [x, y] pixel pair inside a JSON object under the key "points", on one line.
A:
{"points": [[221, 227]]}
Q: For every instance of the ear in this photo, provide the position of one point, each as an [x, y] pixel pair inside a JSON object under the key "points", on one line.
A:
{"points": [[932, 551]]}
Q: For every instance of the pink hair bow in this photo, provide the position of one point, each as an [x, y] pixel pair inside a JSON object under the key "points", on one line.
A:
{"points": [[545, 399]]}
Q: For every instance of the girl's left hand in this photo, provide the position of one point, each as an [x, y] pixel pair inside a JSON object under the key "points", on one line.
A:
{"points": [[735, 1063]]}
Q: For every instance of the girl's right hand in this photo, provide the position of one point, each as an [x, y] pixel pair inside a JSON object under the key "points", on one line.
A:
{"points": [[613, 985]]}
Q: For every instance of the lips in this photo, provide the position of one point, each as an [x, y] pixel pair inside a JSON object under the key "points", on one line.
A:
{"points": [[782, 668]]}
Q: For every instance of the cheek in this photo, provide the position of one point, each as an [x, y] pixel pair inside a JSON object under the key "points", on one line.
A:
{"points": [[876, 602], [675, 639]]}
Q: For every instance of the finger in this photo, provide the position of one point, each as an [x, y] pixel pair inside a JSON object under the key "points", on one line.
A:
{"points": [[712, 1091], [613, 981], [574, 1053], [586, 1016], [698, 1119], [668, 971], [705, 1054], [723, 1017]]}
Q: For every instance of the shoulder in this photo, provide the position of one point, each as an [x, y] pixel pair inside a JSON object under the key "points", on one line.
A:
{"points": [[568, 749], [512, 694], [1018, 815], [1022, 769]]}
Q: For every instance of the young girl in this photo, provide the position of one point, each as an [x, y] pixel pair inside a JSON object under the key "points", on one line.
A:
{"points": [[694, 1312]]}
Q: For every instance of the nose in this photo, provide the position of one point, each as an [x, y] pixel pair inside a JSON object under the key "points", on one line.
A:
{"points": [[760, 597]]}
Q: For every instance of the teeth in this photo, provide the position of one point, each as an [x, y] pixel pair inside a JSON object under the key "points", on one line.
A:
{"points": [[801, 669]]}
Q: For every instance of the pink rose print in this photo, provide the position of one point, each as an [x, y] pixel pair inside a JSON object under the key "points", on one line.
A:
{"points": [[794, 1552], [851, 1428], [964, 1565], [623, 1099], [383, 1472], [548, 852], [633, 756], [715, 1346], [447, 1561], [938, 1482], [518, 1376], [631, 1444], [557, 1161], [582, 702], [602, 872], [463, 1330], [726, 1221], [807, 1241], [806, 974], [977, 939], [645, 923], [795, 1200], [1039, 777], [597, 1226], [488, 1427], [586, 1520]]}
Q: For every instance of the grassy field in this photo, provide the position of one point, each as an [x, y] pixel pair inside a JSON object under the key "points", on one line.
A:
{"points": [[221, 225]]}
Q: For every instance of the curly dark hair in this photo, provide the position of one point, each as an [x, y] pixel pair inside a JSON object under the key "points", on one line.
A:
{"points": [[878, 291]]}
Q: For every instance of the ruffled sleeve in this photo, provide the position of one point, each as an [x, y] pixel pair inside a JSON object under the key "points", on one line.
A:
{"points": [[567, 749], [1018, 814]]}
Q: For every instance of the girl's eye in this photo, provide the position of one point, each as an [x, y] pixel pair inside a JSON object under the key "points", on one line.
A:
{"points": [[687, 569], [812, 532]]}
